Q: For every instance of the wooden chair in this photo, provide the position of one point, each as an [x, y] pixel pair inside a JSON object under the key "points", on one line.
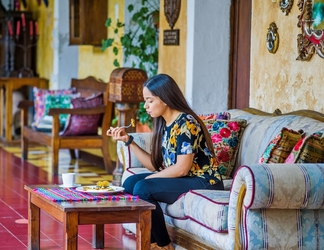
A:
{"points": [[55, 141]]}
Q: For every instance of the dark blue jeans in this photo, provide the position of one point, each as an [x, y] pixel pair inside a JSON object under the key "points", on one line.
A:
{"points": [[166, 190]]}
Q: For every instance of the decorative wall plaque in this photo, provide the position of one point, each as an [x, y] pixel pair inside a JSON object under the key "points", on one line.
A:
{"points": [[171, 37], [171, 11], [272, 38], [285, 6]]}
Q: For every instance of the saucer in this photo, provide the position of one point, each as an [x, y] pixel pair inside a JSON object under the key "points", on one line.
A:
{"points": [[75, 185]]}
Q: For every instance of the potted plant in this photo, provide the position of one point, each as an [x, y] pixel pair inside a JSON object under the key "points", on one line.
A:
{"points": [[138, 43]]}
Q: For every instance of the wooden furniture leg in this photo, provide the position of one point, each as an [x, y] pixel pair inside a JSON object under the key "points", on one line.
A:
{"points": [[72, 153], [70, 230], [143, 230], [33, 225], [98, 236], [1, 111]]}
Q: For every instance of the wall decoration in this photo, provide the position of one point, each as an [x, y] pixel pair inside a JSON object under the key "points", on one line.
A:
{"points": [[272, 38], [285, 6], [310, 41], [171, 12]]}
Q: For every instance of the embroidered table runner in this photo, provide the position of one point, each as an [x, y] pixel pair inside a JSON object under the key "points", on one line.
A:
{"points": [[70, 194]]}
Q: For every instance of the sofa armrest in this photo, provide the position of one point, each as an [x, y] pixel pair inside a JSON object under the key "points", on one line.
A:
{"points": [[289, 186], [127, 157]]}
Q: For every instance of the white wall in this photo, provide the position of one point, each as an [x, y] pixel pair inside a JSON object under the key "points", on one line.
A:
{"points": [[208, 51], [65, 57]]}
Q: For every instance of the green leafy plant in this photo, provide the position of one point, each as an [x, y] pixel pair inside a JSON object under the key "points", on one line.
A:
{"points": [[139, 42], [143, 117]]}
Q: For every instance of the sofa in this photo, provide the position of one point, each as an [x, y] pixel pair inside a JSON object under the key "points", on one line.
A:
{"points": [[265, 205]]}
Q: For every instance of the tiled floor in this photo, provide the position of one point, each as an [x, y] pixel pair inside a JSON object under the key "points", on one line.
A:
{"points": [[15, 173]]}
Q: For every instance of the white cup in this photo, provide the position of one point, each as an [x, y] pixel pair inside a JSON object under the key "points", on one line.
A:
{"points": [[68, 179]]}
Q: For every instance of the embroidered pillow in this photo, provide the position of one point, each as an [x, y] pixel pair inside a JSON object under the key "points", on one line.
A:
{"points": [[84, 124], [214, 116], [58, 101], [39, 104], [226, 136], [309, 149], [280, 146]]}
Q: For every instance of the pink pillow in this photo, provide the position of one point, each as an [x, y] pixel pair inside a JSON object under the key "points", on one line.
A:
{"points": [[84, 124], [280, 146], [309, 149]]}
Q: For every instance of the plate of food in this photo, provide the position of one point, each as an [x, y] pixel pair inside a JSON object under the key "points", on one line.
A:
{"points": [[102, 187]]}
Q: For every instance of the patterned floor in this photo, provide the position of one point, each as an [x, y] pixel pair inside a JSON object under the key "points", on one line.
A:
{"points": [[86, 173]]}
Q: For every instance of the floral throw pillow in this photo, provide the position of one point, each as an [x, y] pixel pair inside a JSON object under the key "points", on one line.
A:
{"points": [[39, 103], [84, 124], [226, 137], [309, 149], [280, 146], [58, 101]]}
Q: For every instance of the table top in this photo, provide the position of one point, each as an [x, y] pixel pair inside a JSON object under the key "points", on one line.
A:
{"points": [[104, 205]]}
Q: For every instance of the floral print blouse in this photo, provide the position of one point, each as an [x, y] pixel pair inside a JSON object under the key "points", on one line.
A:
{"points": [[184, 136]]}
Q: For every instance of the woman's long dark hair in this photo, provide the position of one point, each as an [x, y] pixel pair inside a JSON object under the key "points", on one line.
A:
{"points": [[164, 87]]}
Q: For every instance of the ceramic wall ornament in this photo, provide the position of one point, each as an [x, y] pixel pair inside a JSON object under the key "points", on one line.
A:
{"points": [[272, 38], [286, 5], [310, 41]]}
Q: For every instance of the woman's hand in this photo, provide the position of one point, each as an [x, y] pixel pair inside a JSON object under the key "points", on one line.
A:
{"points": [[118, 134]]}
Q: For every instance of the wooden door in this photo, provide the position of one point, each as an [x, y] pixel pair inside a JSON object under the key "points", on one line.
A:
{"points": [[240, 55]]}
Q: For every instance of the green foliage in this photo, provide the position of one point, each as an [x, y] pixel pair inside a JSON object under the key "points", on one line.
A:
{"points": [[143, 117], [139, 43]]}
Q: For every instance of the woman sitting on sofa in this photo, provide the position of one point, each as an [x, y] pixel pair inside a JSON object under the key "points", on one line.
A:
{"points": [[182, 156]]}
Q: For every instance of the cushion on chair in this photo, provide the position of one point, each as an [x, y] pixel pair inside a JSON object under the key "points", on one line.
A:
{"points": [[39, 101], [309, 149], [226, 136], [59, 101], [280, 146], [84, 124]]}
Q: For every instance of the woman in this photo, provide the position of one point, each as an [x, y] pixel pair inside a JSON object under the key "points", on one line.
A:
{"points": [[182, 156]]}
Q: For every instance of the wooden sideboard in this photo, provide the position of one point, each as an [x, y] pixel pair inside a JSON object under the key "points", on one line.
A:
{"points": [[7, 86]]}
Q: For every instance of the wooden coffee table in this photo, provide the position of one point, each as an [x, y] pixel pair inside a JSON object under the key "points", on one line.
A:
{"points": [[98, 213]]}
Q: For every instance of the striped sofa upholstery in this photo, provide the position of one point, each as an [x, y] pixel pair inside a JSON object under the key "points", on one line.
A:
{"points": [[267, 206]]}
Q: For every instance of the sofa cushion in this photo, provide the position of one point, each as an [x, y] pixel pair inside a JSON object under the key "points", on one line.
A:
{"points": [[176, 209], [280, 146], [208, 208], [309, 149], [39, 101], [84, 124], [126, 156], [226, 136]]}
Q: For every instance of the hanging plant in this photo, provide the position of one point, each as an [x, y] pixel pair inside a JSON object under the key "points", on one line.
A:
{"points": [[139, 43]]}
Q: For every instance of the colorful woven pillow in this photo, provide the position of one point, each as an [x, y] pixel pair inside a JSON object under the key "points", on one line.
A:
{"points": [[214, 116], [309, 149], [59, 101], [39, 104], [84, 124], [226, 136], [280, 147]]}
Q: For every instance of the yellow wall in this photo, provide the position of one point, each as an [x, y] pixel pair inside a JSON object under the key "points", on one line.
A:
{"points": [[172, 59], [279, 80], [92, 61], [45, 18]]}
